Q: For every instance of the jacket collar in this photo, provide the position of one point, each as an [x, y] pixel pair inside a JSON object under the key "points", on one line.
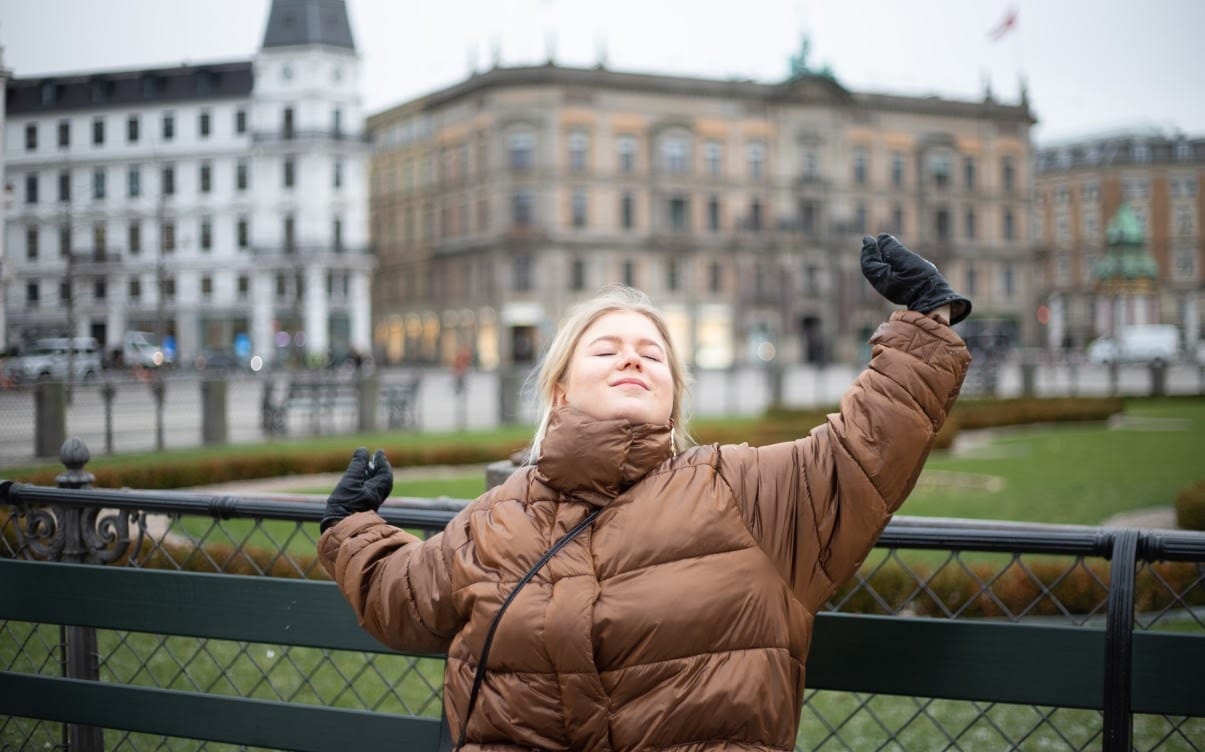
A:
{"points": [[594, 460]]}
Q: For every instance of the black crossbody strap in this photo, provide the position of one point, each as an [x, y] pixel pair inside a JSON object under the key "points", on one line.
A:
{"points": [[489, 636]]}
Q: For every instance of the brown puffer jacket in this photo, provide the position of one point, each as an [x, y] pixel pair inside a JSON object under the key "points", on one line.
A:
{"points": [[681, 619]]}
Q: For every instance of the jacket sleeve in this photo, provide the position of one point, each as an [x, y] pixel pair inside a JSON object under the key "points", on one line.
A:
{"points": [[817, 505], [399, 585]]}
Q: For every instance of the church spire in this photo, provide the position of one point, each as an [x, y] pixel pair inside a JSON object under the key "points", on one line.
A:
{"points": [[306, 22]]}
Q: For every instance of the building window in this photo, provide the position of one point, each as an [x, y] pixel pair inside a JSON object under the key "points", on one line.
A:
{"points": [[897, 169], [577, 275], [715, 277], [31, 294], [99, 289], [579, 208], [205, 176], [206, 234], [811, 164], [337, 122], [970, 224], [337, 175], [31, 188], [628, 273], [627, 154], [134, 237], [1009, 228], [713, 155], [521, 151], [807, 217], [98, 183], [31, 243], [521, 272], [968, 171], [860, 217], [757, 160], [897, 220], [755, 215], [627, 211], [240, 176], [203, 124], [679, 214], [713, 214], [64, 134], [861, 159], [939, 167], [972, 279], [1008, 280], [675, 154], [206, 287], [65, 290], [132, 129], [64, 186], [287, 123], [941, 225], [64, 240], [169, 289], [673, 276], [167, 180], [337, 235], [240, 121], [169, 126], [244, 286], [579, 143], [290, 234], [135, 290], [289, 175], [242, 231], [31, 137], [133, 181], [522, 209], [167, 237], [1007, 174]]}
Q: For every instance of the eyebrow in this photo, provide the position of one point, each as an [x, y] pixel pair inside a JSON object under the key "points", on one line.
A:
{"points": [[612, 339]]}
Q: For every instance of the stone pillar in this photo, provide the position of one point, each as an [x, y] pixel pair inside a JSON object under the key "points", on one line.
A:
{"points": [[262, 295], [317, 313], [360, 298], [50, 418], [214, 424]]}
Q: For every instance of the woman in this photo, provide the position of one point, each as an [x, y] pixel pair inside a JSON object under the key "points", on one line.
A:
{"points": [[681, 617]]}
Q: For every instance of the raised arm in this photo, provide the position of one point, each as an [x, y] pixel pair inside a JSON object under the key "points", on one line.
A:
{"points": [[399, 585], [818, 504]]}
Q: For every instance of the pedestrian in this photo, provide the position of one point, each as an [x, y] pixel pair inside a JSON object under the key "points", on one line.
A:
{"points": [[675, 609]]}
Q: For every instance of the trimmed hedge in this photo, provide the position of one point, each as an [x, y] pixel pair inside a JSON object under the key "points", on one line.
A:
{"points": [[1190, 507]]}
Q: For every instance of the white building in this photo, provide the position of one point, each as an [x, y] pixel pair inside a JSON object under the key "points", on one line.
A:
{"points": [[215, 203]]}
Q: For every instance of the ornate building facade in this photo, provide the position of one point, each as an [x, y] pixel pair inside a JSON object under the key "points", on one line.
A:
{"points": [[218, 204], [500, 201], [1145, 184]]}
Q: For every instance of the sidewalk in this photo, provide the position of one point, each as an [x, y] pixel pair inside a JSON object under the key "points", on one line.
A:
{"points": [[284, 486]]}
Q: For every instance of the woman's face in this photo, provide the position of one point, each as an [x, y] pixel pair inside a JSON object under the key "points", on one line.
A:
{"points": [[620, 369]]}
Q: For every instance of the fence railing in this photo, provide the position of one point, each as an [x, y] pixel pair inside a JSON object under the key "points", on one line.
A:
{"points": [[209, 620]]}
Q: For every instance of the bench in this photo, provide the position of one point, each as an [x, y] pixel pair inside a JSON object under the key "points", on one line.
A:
{"points": [[320, 400], [401, 403], [983, 661]]}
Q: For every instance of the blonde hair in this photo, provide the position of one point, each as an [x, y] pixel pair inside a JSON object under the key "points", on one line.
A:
{"points": [[555, 364]]}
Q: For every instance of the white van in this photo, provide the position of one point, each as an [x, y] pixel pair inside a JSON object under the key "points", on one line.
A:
{"points": [[139, 349], [1149, 343], [47, 360]]}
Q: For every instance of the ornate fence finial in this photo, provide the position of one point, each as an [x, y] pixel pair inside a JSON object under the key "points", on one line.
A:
{"points": [[74, 455]]}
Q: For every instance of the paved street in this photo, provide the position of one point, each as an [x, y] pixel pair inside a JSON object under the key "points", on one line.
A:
{"points": [[440, 408]]}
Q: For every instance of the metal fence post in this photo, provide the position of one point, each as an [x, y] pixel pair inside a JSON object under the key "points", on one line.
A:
{"points": [[1158, 378], [158, 390], [368, 390], [82, 660], [1119, 643], [50, 418], [213, 411], [107, 393]]}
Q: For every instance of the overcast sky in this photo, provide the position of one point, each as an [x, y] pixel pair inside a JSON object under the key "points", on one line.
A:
{"points": [[1091, 65]]}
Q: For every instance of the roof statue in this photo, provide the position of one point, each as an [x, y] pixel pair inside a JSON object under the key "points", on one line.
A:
{"points": [[799, 66]]}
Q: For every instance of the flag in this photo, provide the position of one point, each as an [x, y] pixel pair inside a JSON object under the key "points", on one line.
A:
{"points": [[1007, 24]]}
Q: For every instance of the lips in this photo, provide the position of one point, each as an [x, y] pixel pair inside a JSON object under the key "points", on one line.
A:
{"points": [[635, 382]]}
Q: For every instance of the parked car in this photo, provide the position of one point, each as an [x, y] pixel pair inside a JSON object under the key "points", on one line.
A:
{"points": [[47, 360], [1151, 343], [139, 349]]}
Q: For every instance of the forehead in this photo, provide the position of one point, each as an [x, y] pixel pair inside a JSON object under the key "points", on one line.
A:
{"points": [[623, 325]]}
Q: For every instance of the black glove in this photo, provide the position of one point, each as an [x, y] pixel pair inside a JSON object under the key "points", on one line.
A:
{"points": [[361, 489], [906, 278]]}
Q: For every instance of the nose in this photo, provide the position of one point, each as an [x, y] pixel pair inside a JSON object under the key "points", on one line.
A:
{"points": [[630, 358]]}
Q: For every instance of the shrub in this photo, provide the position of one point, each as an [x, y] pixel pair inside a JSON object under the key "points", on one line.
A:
{"points": [[1190, 507]]}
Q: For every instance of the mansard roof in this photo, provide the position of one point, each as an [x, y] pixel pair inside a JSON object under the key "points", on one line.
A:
{"points": [[125, 88]]}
